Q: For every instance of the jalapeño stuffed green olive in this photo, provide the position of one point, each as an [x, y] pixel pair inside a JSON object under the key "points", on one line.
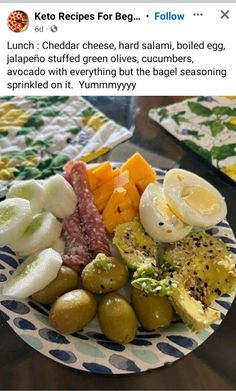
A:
{"points": [[73, 311], [104, 274], [117, 318], [65, 281], [152, 311]]}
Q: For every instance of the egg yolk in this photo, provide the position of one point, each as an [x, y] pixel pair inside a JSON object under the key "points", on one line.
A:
{"points": [[200, 199]]}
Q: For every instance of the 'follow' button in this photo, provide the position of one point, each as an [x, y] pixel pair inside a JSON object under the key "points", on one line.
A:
{"points": [[168, 16]]}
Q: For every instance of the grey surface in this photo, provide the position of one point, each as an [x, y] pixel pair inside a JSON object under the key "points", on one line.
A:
{"points": [[123, 1]]}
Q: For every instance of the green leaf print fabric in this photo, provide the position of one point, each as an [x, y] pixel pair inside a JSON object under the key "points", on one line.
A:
{"points": [[207, 125], [38, 135]]}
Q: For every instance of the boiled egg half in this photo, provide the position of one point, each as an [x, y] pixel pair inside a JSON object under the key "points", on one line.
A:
{"points": [[192, 199], [158, 220]]}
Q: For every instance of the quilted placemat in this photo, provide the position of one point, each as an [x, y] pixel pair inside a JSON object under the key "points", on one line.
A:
{"points": [[205, 124], [38, 135]]}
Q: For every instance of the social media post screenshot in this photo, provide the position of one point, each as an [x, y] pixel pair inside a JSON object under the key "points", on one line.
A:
{"points": [[117, 196], [109, 49]]}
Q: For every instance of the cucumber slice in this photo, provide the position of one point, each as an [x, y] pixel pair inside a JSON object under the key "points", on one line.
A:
{"points": [[60, 198], [33, 274], [43, 230], [15, 216], [30, 190]]}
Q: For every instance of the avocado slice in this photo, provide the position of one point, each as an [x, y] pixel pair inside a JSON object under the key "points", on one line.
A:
{"points": [[207, 267], [191, 311], [135, 245]]}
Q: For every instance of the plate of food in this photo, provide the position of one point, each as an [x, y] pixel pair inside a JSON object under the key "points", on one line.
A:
{"points": [[115, 268]]}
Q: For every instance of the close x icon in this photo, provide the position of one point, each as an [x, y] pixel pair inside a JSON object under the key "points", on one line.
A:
{"points": [[224, 14]]}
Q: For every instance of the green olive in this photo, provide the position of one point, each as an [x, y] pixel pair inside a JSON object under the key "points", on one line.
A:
{"points": [[73, 311], [104, 274], [65, 281], [117, 318], [152, 311]]}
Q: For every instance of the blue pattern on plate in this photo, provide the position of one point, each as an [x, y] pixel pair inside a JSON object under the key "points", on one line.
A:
{"points": [[226, 240], [232, 249], [97, 368], [153, 335], [3, 278], [6, 249], [212, 231], [80, 336], [47, 307], [160, 173], [223, 304], [214, 326], [8, 260], [15, 306], [53, 336], [139, 355], [37, 308], [183, 341], [141, 342], [63, 355], [223, 224], [95, 335], [117, 347], [166, 348], [4, 315], [24, 324], [121, 362]]}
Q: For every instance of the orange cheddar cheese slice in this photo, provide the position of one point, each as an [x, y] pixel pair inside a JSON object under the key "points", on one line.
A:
{"points": [[143, 183], [104, 192], [118, 210], [138, 168]]}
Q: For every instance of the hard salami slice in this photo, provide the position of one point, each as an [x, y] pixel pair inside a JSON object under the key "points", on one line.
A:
{"points": [[90, 217], [67, 170], [76, 254]]}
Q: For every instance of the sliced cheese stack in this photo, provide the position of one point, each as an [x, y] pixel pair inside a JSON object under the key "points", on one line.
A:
{"points": [[117, 191]]}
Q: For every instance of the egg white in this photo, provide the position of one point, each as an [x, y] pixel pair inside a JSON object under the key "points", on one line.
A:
{"points": [[157, 218], [177, 183]]}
